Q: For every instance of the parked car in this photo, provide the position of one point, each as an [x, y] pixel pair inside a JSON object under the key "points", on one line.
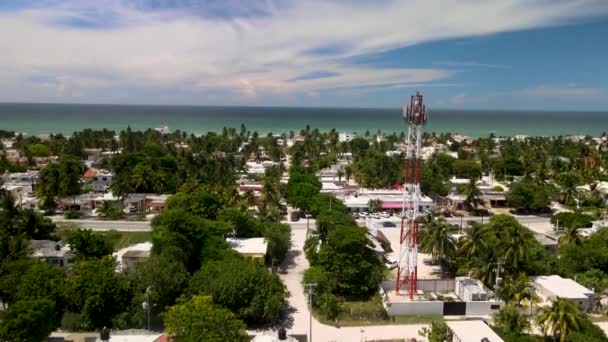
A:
{"points": [[388, 224]]}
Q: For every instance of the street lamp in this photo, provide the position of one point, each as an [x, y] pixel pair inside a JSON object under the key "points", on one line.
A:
{"points": [[311, 290]]}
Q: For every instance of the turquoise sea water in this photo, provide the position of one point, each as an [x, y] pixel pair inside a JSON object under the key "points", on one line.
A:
{"points": [[67, 118]]}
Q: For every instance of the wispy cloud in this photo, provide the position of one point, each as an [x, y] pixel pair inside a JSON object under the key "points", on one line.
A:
{"points": [[470, 64], [571, 91], [246, 47]]}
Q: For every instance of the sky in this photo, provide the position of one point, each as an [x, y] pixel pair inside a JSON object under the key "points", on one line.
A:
{"points": [[461, 54]]}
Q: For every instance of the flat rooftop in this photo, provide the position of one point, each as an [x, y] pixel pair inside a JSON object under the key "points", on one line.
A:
{"points": [[563, 287], [248, 246], [473, 330]]}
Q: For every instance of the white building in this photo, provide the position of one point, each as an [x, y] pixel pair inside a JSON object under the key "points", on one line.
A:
{"points": [[100, 180], [440, 297], [128, 256], [548, 288], [56, 253], [249, 248], [346, 137], [471, 331], [391, 199], [259, 168]]}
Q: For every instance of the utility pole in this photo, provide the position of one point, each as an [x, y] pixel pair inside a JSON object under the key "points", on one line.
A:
{"points": [[498, 279], [311, 290], [147, 303]]}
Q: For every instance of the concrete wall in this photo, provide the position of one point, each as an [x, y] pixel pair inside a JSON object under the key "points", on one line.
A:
{"points": [[415, 308], [482, 308], [436, 285]]}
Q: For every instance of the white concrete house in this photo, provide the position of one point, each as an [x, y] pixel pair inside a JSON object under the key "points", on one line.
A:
{"points": [[548, 288]]}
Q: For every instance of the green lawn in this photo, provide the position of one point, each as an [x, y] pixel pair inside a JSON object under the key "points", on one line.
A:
{"points": [[371, 312], [119, 239], [123, 239]]}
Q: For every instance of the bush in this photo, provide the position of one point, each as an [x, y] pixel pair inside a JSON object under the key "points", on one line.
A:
{"points": [[498, 188], [328, 305], [71, 321], [72, 214]]}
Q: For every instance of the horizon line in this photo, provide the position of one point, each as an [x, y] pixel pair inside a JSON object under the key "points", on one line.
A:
{"points": [[293, 107]]}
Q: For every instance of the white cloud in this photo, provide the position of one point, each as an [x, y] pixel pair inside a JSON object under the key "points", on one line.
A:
{"points": [[252, 55]]}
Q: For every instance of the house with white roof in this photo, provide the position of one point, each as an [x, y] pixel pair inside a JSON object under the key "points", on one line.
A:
{"points": [[249, 248], [471, 330], [548, 288]]}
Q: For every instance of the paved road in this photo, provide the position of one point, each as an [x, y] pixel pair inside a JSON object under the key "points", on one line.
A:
{"points": [[299, 318], [144, 226], [98, 225]]}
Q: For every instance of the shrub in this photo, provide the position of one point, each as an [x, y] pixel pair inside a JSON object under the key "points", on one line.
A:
{"points": [[328, 306], [72, 214]]}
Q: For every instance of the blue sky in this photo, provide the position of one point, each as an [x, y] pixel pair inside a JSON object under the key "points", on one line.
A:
{"points": [[469, 54]]}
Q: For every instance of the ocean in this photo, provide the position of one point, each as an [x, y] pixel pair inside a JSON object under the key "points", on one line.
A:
{"points": [[37, 119]]}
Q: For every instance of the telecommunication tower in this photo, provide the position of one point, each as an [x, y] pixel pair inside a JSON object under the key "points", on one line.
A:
{"points": [[415, 115]]}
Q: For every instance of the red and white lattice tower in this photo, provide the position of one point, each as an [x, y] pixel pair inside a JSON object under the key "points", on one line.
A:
{"points": [[415, 115]]}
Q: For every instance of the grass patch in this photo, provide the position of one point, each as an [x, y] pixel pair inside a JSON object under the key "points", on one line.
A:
{"points": [[118, 239], [371, 312], [123, 239]]}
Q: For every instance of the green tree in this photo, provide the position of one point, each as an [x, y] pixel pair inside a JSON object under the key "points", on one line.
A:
{"points": [[509, 321], [278, 236], [517, 289], [436, 239], [28, 320], [88, 244], [474, 241], [244, 287], [97, 292], [110, 210], [42, 281], [593, 278], [568, 182], [530, 197], [167, 280], [348, 173], [347, 255], [560, 318], [472, 194], [437, 333], [340, 174], [467, 169], [570, 235], [198, 319], [38, 150]]}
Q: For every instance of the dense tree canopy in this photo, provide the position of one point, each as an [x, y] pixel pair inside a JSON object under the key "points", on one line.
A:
{"points": [[198, 319], [246, 288]]}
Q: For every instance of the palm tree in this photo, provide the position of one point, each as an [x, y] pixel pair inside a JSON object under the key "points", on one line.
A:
{"points": [[570, 236], [340, 173], [561, 318], [105, 209], [473, 194], [516, 290], [374, 205], [348, 172], [568, 182], [436, 239], [474, 240], [515, 243]]}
